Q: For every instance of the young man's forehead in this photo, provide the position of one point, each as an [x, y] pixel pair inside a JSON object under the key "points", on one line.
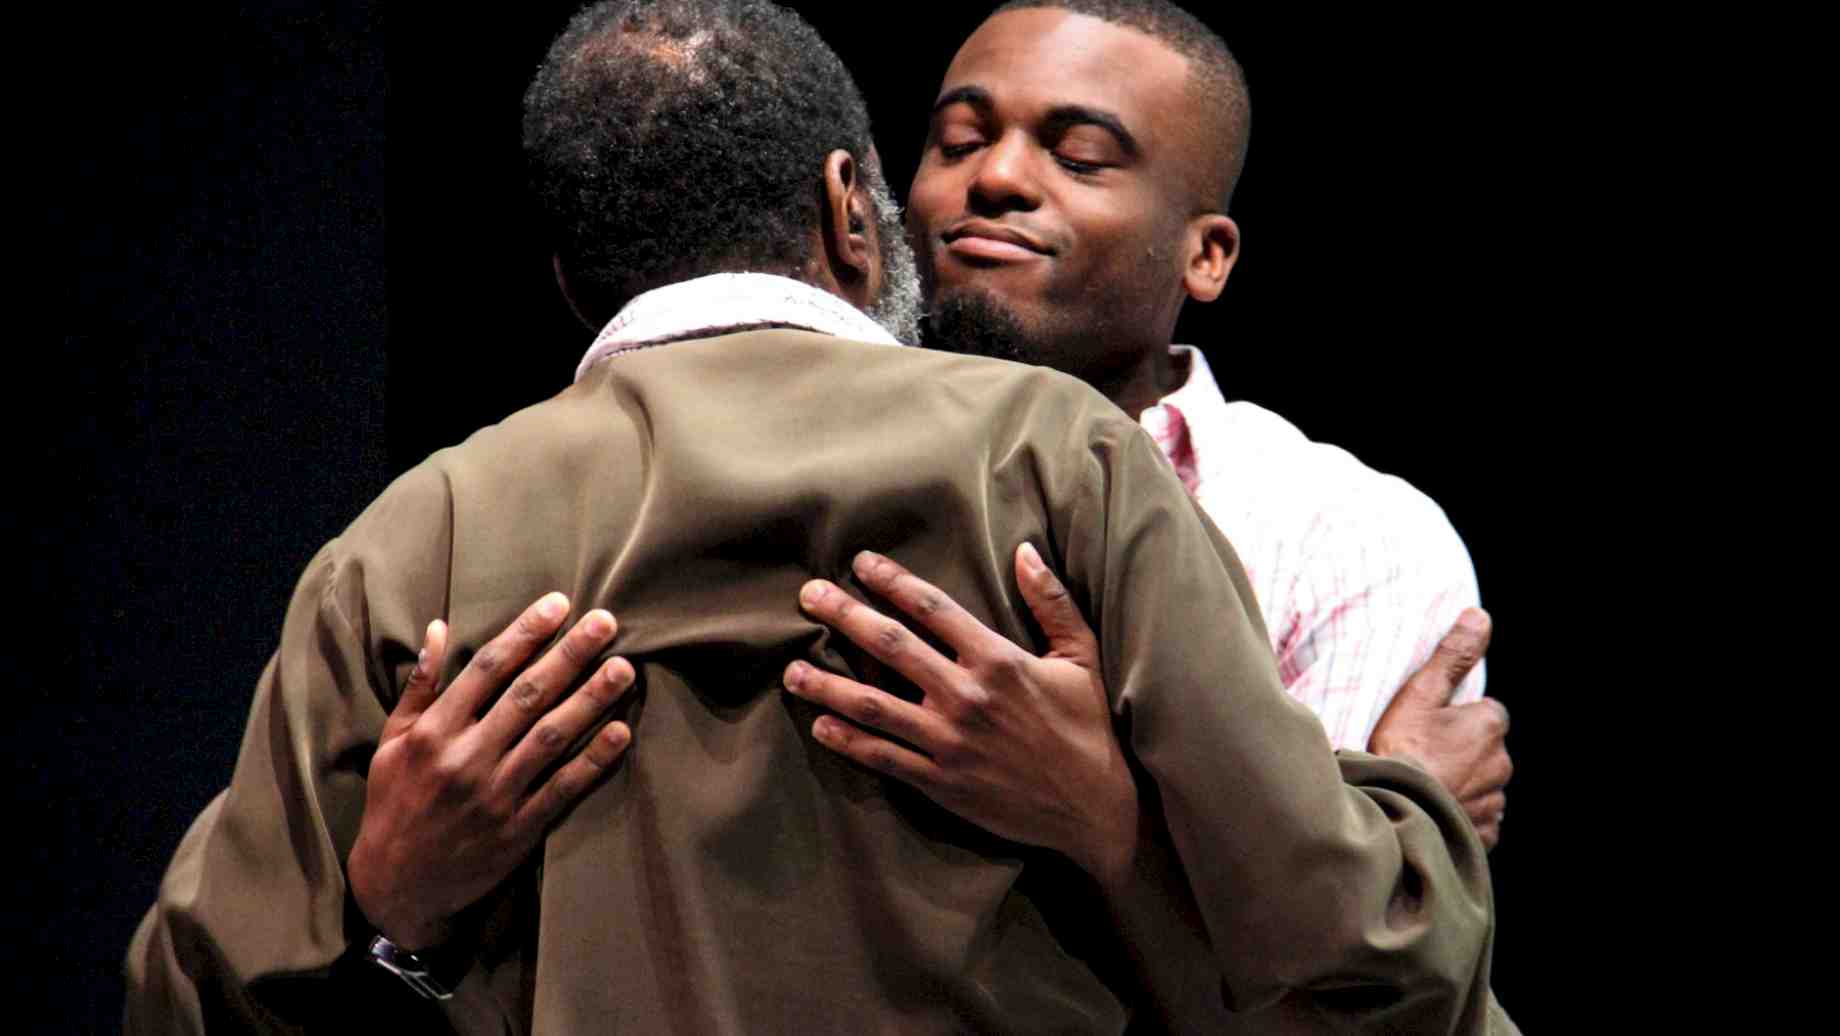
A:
{"points": [[1043, 58]]}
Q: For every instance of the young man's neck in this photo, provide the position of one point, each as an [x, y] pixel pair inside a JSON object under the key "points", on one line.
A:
{"points": [[1144, 384]]}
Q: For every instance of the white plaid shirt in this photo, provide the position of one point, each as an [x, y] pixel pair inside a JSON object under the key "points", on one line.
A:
{"points": [[1359, 575]]}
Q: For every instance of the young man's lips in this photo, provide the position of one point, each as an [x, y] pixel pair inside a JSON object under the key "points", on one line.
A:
{"points": [[970, 246]]}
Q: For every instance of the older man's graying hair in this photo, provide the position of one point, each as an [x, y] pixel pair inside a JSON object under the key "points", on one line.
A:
{"points": [[670, 138]]}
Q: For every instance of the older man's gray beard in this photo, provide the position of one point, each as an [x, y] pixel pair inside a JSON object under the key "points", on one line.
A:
{"points": [[897, 306]]}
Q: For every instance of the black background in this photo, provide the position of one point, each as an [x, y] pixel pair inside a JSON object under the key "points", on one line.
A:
{"points": [[298, 260]]}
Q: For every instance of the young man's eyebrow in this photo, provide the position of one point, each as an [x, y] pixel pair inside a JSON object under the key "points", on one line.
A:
{"points": [[1059, 119], [975, 96], [1069, 115]]}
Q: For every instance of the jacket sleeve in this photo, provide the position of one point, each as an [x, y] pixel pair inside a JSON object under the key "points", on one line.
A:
{"points": [[1351, 884], [252, 930], [257, 886]]}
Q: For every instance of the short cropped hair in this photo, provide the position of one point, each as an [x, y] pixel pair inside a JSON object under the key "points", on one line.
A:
{"points": [[666, 139], [1218, 81]]}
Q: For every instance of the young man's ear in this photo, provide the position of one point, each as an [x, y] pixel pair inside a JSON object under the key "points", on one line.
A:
{"points": [[1213, 249]]}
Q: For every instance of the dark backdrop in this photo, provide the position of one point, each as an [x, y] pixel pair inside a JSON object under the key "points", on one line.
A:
{"points": [[248, 357]]}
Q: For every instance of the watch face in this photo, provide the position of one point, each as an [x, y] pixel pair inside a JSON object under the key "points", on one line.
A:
{"points": [[415, 972]]}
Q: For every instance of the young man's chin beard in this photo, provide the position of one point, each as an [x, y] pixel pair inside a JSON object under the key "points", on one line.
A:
{"points": [[977, 323]]}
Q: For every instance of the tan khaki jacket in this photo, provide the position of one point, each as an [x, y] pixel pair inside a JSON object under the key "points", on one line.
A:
{"points": [[733, 876]]}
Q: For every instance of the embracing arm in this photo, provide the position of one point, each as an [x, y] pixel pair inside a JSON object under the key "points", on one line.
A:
{"points": [[256, 888], [1377, 631], [1462, 745], [1399, 905], [354, 809]]}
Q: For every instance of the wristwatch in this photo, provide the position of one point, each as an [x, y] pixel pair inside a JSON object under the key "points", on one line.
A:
{"points": [[425, 973]]}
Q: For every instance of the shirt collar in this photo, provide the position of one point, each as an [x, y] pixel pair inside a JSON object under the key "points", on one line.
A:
{"points": [[1199, 398], [721, 303], [1204, 418]]}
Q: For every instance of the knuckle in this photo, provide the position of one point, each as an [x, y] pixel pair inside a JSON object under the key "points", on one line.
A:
{"points": [[597, 756], [929, 603], [881, 571], [1426, 684], [548, 736], [453, 773], [576, 648], [525, 694], [600, 692], [603, 751], [1051, 588], [881, 756], [1495, 716], [419, 741], [497, 809], [890, 638], [973, 701], [390, 757], [531, 624], [870, 709], [563, 789], [490, 661], [1449, 666], [1004, 670], [980, 700], [949, 753]]}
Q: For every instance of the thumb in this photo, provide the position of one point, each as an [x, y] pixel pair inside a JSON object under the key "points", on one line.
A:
{"points": [[1436, 682], [1068, 634], [424, 684]]}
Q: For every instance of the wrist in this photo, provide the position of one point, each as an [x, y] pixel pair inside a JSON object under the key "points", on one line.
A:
{"points": [[407, 930], [1108, 854], [1403, 748], [390, 916]]}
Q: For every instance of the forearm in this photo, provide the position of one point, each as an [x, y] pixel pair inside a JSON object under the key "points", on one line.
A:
{"points": [[256, 890], [1306, 878], [1162, 937]]}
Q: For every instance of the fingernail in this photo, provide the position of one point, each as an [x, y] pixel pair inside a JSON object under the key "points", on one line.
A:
{"points": [[824, 729], [795, 674], [552, 606], [865, 562], [1473, 619], [421, 663], [1030, 559], [599, 623], [813, 592]]}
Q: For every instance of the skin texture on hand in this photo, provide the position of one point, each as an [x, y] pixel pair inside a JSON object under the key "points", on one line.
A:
{"points": [[1462, 746], [1019, 745], [453, 805]]}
